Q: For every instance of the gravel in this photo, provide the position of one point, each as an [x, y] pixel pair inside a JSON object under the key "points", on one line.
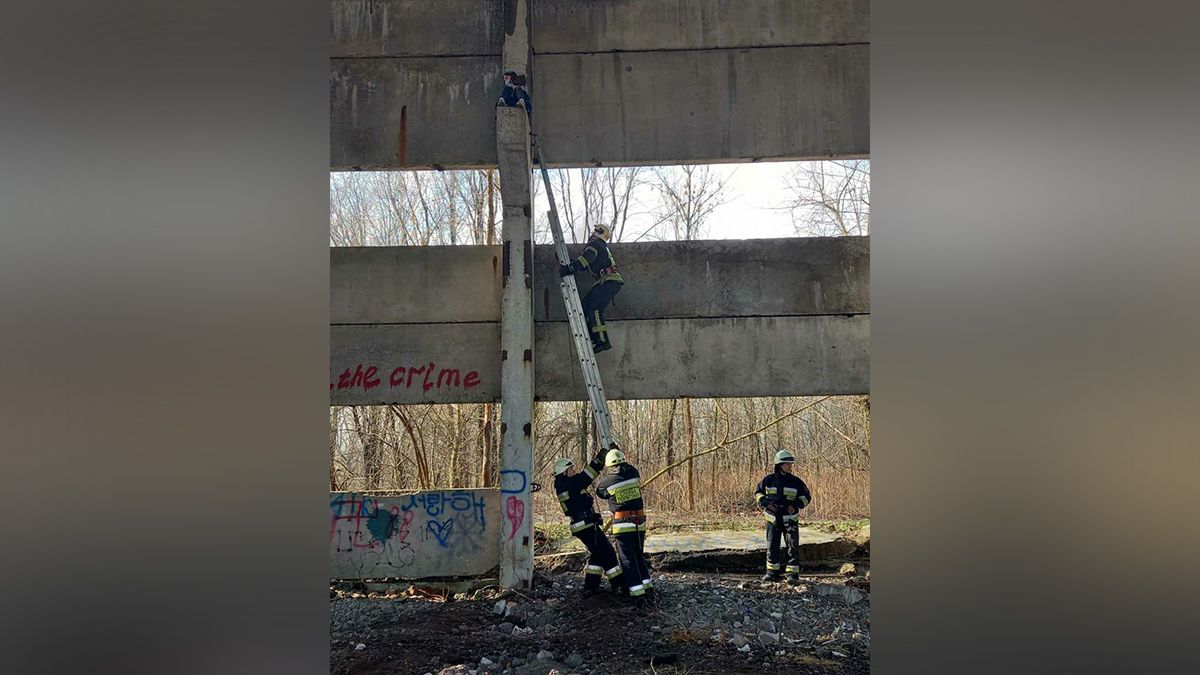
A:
{"points": [[710, 622]]}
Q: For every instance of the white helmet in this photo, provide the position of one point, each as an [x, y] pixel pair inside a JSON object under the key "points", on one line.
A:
{"points": [[603, 231], [562, 465], [614, 457], [784, 456]]}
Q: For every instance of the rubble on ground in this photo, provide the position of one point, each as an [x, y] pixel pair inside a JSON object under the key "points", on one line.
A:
{"points": [[697, 623]]}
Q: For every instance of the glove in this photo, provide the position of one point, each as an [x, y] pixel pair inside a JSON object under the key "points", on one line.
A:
{"points": [[565, 271]]}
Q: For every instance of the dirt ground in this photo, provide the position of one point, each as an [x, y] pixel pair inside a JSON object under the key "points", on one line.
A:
{"points": [[699, 623]]}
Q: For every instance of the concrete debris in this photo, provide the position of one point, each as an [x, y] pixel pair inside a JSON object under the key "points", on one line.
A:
{"points": [[756, 623], [500, 607], [847, 594], [359, 647]]}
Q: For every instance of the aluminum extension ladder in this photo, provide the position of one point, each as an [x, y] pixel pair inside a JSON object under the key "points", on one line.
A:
{"points": [[575, 318]]}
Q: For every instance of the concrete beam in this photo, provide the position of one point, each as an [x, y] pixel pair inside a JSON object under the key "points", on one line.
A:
{"points": [[696, 279], [770, 356], [415, 28], [414, 284], [372, 28], [419, 113], [621, 108], [796, 276], [703, 106], [561, 26], [414, 363], [751, 356]]}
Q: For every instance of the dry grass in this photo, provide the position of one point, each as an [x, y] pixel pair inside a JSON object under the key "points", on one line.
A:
{"points": [[838, 495]]}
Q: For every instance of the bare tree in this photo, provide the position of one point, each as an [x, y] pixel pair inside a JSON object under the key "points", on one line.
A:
{"points": [[688, 195], [830, 198]]}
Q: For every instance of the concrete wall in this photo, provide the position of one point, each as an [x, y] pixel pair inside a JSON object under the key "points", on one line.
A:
{"points": [[758, 317], [414, 363], [416, 27], [796, 276], [660, 358], [367, 28], [413, 112], [703, 106], [414, 284], [439, 533], [639, 25], [613, 81]]}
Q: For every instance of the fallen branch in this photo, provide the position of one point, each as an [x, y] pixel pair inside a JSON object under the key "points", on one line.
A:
{"points": [[726, 442], [730, 441]]}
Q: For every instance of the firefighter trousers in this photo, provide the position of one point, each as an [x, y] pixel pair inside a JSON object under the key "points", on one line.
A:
{"points": [[630, 534], [786, 528], [602, 560], [594, 304]]}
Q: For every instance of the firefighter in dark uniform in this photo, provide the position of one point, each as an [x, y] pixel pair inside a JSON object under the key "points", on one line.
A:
{"points": [[599, 262], [621, 485], [577, 504], [782, 495]]}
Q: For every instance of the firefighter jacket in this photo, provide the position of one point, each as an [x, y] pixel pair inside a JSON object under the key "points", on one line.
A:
{"points": [[621, 485], [779, 491], [598, 260], [573, 497]]}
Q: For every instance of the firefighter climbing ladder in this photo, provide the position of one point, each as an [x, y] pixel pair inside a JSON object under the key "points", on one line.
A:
{"points": [[579, 331]]}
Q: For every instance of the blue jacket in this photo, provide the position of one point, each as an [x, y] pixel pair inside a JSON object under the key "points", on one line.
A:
{"points": [[510, 96]]}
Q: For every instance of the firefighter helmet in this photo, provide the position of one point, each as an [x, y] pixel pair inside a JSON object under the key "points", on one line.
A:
{"points": [[603, 231], [562, 465], [614, 457], [784, 456]]}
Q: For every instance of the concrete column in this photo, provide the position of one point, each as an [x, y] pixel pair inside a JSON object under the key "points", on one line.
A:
{"points": [[516, 355]]}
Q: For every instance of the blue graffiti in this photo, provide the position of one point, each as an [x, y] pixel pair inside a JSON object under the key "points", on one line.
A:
{"points": [[508, 478], [441, 530], [436, 504]]}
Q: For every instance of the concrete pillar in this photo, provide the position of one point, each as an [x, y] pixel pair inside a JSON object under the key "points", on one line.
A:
{"points": [[516, 345], [516, 317]]}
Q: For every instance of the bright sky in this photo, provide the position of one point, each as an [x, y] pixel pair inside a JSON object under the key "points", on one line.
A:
{"points": [[752, 190], [749, 216]]}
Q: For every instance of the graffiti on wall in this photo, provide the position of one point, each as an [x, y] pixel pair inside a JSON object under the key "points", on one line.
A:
{"points": [[433, 533], [426, 376]]}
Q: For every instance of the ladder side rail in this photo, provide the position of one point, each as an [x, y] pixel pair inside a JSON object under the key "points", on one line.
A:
{"points": [[587, 360]]}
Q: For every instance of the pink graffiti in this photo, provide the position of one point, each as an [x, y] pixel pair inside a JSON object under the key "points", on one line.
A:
{"points": [[402, 534], [516, 514]]}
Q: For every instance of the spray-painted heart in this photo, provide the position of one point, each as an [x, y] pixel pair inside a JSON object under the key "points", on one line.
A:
{"points": [[516, 514], [441, 530]]}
